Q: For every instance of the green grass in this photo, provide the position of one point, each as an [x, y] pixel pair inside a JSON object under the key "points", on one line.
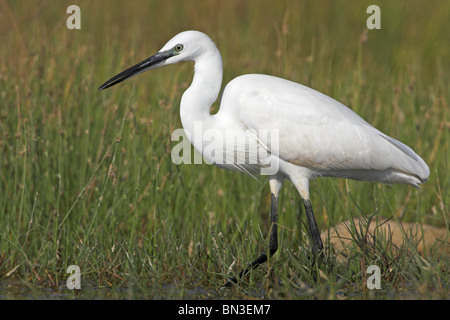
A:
{"points": [[86, 176]]}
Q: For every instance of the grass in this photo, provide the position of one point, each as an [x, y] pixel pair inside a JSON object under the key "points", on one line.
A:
{"points": [[86, 176]]}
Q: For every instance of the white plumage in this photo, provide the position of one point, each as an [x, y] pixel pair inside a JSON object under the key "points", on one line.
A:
{"points": [[316, 135], [319, 133]]}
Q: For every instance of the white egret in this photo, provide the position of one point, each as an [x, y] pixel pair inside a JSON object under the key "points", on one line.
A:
{"points": [[316, 135]]}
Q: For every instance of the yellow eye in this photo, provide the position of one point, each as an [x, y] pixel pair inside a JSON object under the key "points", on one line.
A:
{"points": [[178, 47]]}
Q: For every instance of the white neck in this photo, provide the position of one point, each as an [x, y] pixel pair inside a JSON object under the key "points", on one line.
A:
{"points": [[203, 91]]}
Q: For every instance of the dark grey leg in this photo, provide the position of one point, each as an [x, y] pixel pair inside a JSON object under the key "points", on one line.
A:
{"points": [[315, 234], [273, 242]]}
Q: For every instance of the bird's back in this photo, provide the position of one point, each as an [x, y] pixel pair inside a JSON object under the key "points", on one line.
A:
{"points": [[319, 133]]}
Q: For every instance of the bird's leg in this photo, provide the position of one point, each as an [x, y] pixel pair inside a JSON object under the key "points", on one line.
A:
{"points": [[315, 234], [302, 185], [273, 242]]}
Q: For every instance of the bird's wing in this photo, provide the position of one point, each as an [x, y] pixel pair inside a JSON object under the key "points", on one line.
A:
{"points": [[314, 130]]}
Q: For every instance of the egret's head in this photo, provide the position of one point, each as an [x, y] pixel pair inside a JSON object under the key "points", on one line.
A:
{"points": [[187, 45]]}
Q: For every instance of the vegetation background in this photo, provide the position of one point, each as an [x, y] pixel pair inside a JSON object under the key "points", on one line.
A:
{"points": [[86, 176]]}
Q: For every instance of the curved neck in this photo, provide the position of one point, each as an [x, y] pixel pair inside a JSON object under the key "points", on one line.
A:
{"points": [[203, 91]]}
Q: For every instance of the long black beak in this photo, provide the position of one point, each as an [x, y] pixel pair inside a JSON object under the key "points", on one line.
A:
{"points": [[153, 62]]}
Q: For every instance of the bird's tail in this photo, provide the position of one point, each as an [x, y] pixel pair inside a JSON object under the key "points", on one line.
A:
{"points": [[412, 169]]}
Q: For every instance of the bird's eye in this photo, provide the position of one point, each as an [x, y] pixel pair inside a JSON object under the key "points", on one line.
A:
{"points": [[178, 47]]}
